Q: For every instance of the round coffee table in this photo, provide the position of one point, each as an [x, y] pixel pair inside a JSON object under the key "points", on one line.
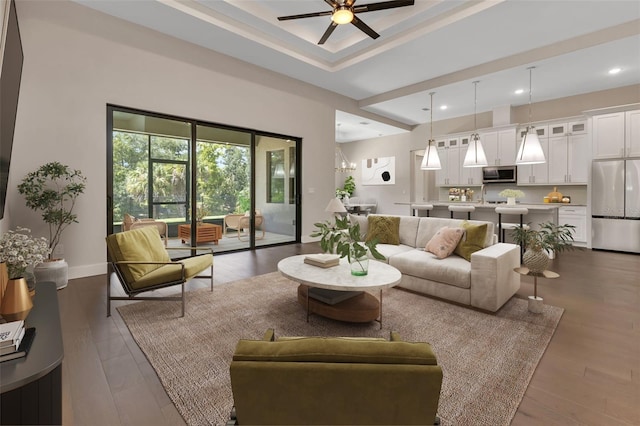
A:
{"points": [[364, 307]]}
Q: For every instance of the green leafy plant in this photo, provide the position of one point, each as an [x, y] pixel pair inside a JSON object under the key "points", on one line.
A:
{"points": [[550, 237], [53, 189], [344, 239], [349, 185]]}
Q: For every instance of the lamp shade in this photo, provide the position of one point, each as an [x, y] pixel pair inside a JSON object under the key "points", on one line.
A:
{"points": [[431, 160], [335, 206], [530, 151], [475, 156]]}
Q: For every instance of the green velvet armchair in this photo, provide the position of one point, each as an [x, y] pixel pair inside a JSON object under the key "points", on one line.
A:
{"points": [[331, 381], [142, 263]]}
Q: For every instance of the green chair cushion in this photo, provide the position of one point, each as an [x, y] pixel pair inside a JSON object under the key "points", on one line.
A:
{"points": [[137, 245], [335, 350], [173, 272]]}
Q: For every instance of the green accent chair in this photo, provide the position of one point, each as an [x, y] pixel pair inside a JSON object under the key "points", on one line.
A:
{"points": [[142, 263], [334, 380]]}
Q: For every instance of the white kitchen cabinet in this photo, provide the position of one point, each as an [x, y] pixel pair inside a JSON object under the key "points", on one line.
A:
{"points": [[576, 216], [568, 159], [449, 153], [536, 174], [608, 135], [500, 146], [632, 133]]}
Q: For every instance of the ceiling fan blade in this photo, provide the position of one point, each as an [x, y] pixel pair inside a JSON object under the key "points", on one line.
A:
{"points": [[334, 4], [325, 36], [372, 7], [364, 28], [304, 15]]}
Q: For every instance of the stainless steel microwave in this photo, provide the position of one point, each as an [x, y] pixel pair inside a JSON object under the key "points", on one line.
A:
{"points": [[501, 174]]}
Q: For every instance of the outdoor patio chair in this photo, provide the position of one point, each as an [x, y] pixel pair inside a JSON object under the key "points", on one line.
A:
{"points": [[142, 263]]}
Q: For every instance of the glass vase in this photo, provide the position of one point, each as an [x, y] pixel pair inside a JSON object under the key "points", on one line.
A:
{"points": [[360, 265]]}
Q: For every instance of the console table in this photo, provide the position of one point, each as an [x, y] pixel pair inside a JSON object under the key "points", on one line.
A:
{"points": [[31, 387]]}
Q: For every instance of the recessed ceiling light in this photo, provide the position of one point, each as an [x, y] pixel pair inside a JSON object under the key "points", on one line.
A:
{"points": [[443, 107], [615, 70], [519, 92]]}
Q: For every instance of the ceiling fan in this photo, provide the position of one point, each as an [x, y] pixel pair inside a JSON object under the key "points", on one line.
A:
{"points": [[345, 13]]}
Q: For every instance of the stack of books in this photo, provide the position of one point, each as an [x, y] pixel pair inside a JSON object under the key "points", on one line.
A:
{"points": [[15, 340], [323, 260]]}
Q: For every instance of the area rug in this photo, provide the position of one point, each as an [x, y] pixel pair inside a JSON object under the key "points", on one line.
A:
{"points": [[487, 360]]}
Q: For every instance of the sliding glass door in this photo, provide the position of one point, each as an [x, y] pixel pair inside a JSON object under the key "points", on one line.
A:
{"points": [[229, 188]]}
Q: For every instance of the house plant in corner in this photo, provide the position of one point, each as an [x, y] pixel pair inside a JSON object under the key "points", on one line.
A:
{"points": [[343, 238], [549, 238], [53, 189]]}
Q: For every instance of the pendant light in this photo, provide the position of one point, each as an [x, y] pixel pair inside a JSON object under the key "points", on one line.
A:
{"points": [[530, 151], [475, 156], [431, 161]]}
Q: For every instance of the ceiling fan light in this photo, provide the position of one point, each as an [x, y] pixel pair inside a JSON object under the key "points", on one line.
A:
{"points": [[530, 151], [475, 156], [431, 160], [342, 15]]}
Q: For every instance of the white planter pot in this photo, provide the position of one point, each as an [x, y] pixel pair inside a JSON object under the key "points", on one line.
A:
{"points": [[511, 201], [536, 304], [55, 270]]}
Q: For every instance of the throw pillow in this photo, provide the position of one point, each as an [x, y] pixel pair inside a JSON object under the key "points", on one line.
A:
{"points": [[386, 229], [444, 242], [472, 241]]}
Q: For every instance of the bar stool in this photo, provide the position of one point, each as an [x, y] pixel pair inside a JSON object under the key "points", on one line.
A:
{"points": [[502, 227], [416, 208], [465, 208]]}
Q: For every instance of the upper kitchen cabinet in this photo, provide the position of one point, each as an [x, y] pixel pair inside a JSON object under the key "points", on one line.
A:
{"points": [[449, 153], [500, 146], [609, 135], [568, 152], [632, 133]]}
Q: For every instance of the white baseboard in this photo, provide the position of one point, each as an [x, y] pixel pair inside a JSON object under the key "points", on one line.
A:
{"points": [[87, 270]]}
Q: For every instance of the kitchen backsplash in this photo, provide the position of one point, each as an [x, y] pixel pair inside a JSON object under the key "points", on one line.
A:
{"points": [[532, 194]]}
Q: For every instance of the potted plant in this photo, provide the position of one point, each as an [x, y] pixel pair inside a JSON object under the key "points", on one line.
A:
{"points": [[18, 251], [53, 189], [344, 239], [511, 195]]}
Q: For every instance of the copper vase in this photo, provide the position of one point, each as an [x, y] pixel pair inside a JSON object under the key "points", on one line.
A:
{"points": [[16, 301]]}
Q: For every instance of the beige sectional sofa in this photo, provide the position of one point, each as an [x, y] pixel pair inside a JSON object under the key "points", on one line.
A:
{"points": [[486, 282]]}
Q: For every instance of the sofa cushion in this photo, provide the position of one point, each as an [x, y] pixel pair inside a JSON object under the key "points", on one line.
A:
{"points": [[385, 229], [428, 226], [472, 241], [418, 263], [390, 250], [444, 242]]}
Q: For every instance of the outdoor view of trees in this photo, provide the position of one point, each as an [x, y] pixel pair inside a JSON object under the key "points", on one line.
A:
{"points": [[223, 177]]}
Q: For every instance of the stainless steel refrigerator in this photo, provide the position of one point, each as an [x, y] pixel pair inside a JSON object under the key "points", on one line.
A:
{"points": [[615, 205]]}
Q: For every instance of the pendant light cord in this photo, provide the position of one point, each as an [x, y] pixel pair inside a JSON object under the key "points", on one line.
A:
{"points": [[530, 85], [431, 111]]}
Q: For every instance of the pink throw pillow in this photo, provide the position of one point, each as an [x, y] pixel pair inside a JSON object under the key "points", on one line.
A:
{"points": [[444, 242]]}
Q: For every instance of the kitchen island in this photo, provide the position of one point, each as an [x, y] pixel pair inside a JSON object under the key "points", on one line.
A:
{"points": [[538, 213]]}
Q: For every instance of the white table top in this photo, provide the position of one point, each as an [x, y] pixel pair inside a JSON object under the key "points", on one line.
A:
{"points": [[339, 277]]}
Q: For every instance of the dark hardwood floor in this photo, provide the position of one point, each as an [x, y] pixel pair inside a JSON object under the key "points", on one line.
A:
{"points": [[590, 373]]}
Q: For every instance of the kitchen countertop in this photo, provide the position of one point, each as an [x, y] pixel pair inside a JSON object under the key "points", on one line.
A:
{"points": [[478, 205]]}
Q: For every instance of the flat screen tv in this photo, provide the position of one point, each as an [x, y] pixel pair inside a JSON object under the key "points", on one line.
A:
{"points": [[10, 76]]}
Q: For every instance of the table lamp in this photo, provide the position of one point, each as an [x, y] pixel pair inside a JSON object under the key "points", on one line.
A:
{"points": [[336, 207]]}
